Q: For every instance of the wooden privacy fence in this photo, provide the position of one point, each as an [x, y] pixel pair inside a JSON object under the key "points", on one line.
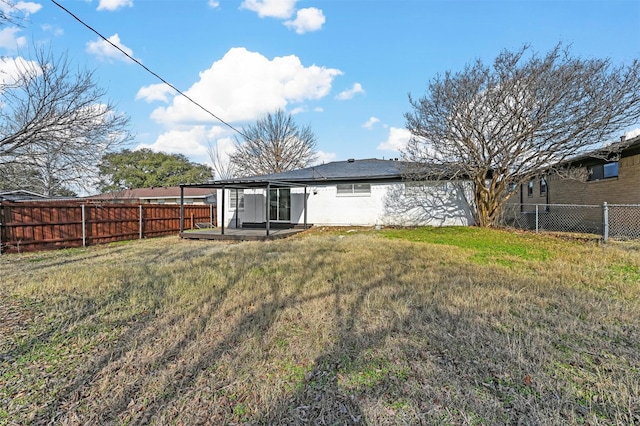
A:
{"points": [[33, 226]]}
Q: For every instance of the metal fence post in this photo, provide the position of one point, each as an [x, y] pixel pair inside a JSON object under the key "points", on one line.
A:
{"points": [[537, 217], [605, 221], [84, 228], [140, 232]]}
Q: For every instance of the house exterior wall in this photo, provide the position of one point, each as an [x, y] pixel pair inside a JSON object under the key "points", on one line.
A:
{"points": [[436, 204], [623, 189]]}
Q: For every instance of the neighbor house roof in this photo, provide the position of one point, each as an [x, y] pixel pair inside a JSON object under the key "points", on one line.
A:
{"points": [[21, 195], [153, 192], [624, 148]]}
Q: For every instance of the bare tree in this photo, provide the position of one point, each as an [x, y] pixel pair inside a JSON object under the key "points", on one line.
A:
{"points": [[222, 165], [12, 13], [499, 126], [54, 121], [274, 144]]}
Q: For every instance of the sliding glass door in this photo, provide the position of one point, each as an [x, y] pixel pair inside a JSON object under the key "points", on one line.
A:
{"points": [[280, 204]]}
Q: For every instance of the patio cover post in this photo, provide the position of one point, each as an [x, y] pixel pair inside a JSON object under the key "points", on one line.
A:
{"points": [[223, 209], [268, 212], [181, 208], [236, 207], [305, 207]]}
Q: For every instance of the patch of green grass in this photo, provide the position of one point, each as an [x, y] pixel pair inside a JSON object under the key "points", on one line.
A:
{"points": [[369, 372], [626, 272], [486, 245]]}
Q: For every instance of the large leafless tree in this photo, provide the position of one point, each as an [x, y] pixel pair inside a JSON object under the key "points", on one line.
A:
{"points": [[55, 122], [273, 144], [500, 125]]}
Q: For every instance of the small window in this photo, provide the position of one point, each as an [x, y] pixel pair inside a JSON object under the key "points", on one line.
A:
{"points": [[530, 189], [236, 197], [610, 170], [354, 189], [603, 171], [543, 186]]}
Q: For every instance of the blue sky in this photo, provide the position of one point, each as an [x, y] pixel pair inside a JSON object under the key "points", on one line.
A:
{"points": [[343, 67]]}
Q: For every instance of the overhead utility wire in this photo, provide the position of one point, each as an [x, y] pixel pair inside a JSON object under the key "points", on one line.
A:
{"points": [[149, 71]]}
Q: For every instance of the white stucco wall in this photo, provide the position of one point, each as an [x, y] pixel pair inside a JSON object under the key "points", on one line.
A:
{"points": [[433, 203]]}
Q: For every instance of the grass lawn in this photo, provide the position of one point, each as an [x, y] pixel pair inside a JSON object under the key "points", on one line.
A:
{"points": [[451, 326]]}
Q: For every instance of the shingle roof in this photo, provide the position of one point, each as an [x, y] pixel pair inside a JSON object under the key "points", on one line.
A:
{"points": [[21, 195], [368, 169], [624, 147]]}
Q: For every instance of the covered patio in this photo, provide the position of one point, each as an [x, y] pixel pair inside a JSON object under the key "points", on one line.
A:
{"points": [[259, 231]]}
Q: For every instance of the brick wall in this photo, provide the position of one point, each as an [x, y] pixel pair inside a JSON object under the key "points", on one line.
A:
{"points": [[624, 189]]}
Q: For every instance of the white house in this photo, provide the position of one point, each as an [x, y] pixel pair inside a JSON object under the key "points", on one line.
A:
{"points": [[355, 192]]}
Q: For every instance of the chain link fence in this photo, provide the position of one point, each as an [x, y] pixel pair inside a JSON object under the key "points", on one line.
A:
{"points": [[620, 221]]}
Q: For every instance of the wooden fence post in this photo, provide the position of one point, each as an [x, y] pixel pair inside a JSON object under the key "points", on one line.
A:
{"points": [[140, 224], [84, 230]]}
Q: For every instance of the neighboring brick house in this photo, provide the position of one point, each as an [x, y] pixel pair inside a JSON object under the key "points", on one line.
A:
{"points": [[159, 195], [614, 179]]}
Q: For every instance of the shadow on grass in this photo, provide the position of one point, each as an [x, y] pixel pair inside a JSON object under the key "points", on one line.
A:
{"points": [[424, 361]]}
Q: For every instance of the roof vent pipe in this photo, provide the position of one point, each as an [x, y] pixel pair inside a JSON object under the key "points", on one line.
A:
{"points": [[351, 160], [622, 138]]}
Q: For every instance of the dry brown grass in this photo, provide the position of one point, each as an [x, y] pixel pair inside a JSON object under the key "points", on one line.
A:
{"points": [[443, 327]]}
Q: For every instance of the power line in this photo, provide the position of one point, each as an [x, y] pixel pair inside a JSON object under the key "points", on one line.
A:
{"points": [[149, 70]]}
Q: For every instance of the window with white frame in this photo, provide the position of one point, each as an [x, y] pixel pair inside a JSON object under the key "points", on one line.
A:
{"points": [[236, 196], [353, 189]]}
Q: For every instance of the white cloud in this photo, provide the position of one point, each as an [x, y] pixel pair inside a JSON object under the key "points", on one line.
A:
{"points": [[307, 20], [245, 85], [298, 110], [214, 4], [190, 142], [194, 143], [106, 52], [325, 157], [9, 38], [350, 93], [225, 147], [282, 9], [112, 5], [24, 7], [396, 140], [155, 92], [11, 69], [50, 28], [632, 133], [370, 122]]}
